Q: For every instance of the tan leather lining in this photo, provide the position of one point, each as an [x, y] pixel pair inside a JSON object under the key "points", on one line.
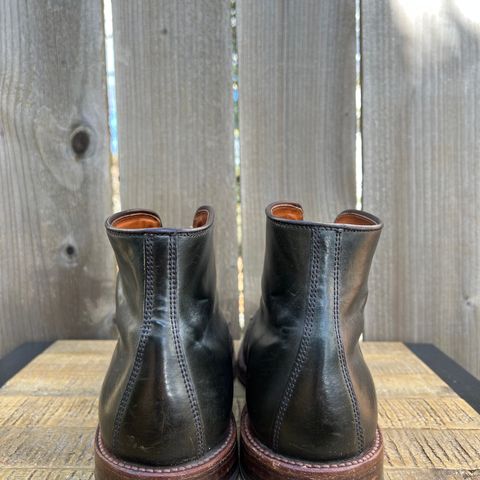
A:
{"points": [[287, 211], [200, 218], [351, 218], [137, 221]]}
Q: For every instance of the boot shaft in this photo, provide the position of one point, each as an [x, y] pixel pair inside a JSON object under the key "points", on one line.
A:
{"points": [[173, 360], [151, 259], [309, 392], [320, 262]]}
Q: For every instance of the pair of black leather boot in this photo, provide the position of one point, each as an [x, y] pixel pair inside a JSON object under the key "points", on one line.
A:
{"points": [[165, 405]]}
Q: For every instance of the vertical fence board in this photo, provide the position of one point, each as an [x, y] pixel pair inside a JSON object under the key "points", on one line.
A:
{"points": [[56, 271], [175, 118], [421, 118], [297, 115]]}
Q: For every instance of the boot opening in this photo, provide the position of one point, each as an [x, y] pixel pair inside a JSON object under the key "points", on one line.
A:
{"points": [[354, 218], [137, 221], [201, 218], [287, 211]]}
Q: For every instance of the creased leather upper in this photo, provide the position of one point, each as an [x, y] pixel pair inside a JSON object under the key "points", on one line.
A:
{"points": [[167, 395], [309, 392]]}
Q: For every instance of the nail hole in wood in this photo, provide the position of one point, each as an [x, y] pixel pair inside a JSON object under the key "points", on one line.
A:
{"points": [[70, 250]]}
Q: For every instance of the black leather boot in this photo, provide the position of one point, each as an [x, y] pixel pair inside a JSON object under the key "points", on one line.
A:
{"points": [[165, 405], [311, 408]]}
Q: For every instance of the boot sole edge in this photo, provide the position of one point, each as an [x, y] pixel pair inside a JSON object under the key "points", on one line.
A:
{"points": [[260, 463], [222, 464]]}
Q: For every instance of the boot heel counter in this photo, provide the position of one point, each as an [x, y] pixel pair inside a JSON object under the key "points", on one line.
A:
{"points": [[153, 423], [264, 387], [214, 391], [320, 422]]}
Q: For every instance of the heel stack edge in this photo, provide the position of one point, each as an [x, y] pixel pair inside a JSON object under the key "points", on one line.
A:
{"points": [[260, 463], [221, 464]]}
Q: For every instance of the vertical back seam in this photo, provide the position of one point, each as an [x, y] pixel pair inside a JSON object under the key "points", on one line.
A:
{"points": [[179, 350], [305, 342], [142, 341], [359, 435]]}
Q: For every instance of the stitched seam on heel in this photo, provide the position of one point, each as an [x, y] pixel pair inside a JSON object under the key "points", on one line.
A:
{"points": [[305, 342], [142, 341], [359, 435], [182, 361]]}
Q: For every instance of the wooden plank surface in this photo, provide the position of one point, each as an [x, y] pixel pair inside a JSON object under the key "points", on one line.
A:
{"points": [[297, 115], [421, 117], [56, 277], [175, 119], [47, 420]]}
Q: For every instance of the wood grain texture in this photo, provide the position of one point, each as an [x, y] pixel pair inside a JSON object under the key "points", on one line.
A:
{"points": [[421, 117], [47, 428], [52, 474], [56, 277], [175, 119], [430, 474], [297, 115]]}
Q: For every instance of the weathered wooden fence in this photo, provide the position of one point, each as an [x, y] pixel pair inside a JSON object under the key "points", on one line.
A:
{"points": [[420, 118]]}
